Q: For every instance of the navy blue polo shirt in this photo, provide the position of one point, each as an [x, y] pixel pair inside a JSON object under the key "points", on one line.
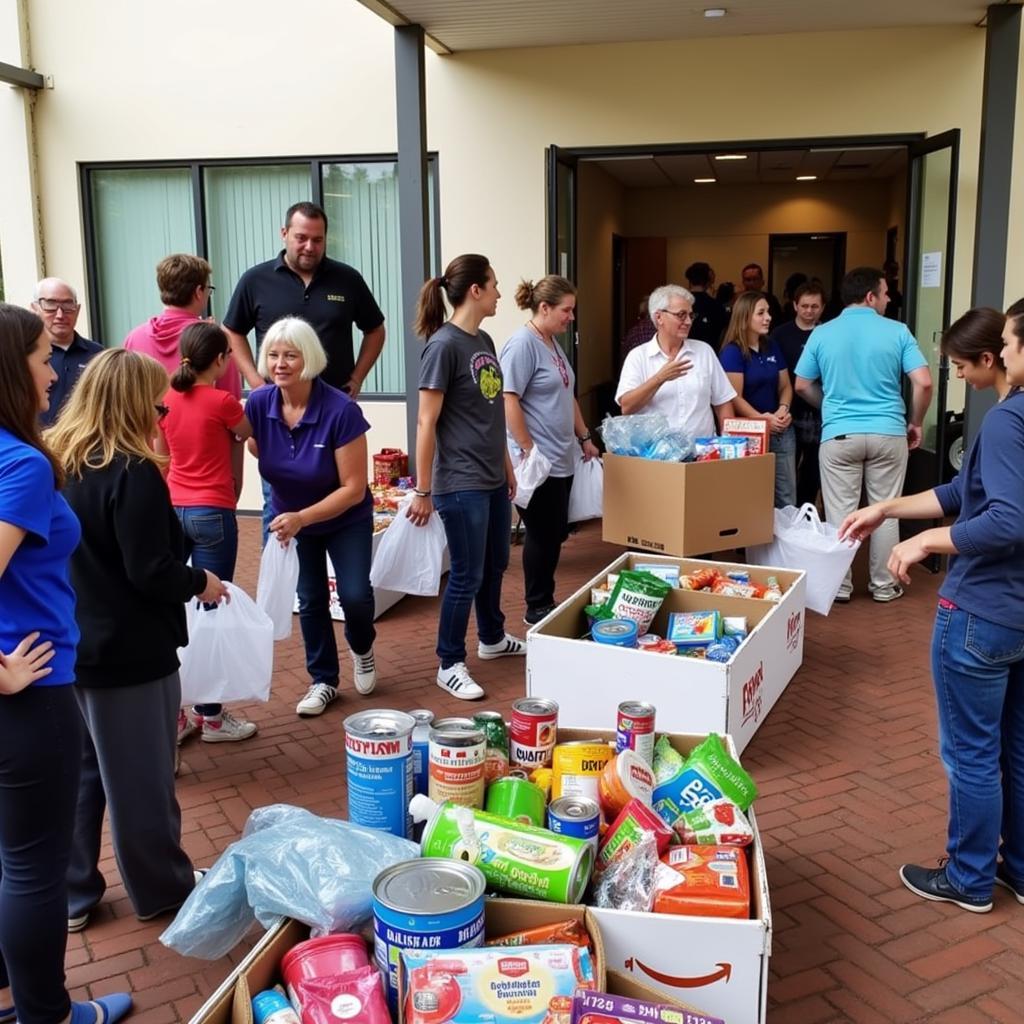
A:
{"points": [[336, 298], [299, 462], [68, 364], [760, 372]]}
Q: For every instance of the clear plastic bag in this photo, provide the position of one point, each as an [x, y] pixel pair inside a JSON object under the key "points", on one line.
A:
{"points": [[290, 863], [410, 558], [646, 436], [586, 498], [628, 882], [533, 469], [275, 589]]}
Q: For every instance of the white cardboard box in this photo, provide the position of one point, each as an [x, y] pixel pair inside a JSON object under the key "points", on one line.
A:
{"points": [[590, 680]]}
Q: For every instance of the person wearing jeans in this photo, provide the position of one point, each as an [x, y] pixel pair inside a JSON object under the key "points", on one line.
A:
{"points": [[462, 466], [977, 649]]}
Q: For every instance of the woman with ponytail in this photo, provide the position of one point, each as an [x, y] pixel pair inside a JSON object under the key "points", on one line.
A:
{"points": [[463, 469], [199, 432]]}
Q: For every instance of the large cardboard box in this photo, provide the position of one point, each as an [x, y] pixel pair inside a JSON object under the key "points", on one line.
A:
{"points": [[590, 680], [688, 508]]}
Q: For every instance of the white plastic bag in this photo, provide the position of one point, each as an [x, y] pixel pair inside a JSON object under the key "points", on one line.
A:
{"points": [[586, 499], [230, 652], [532, 471], [803, 541], [409, 558], [275, 589]]}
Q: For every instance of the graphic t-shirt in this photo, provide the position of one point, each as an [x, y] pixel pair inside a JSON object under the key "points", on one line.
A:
{"points": [[470, 451]]}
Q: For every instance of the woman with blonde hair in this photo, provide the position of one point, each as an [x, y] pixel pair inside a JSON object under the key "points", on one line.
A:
{"points": [[132, 583]]}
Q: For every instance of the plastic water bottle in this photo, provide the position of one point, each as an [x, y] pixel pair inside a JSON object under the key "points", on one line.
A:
{"points": [[421, 749]]}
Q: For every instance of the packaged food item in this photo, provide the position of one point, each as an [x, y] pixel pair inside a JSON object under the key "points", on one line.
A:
{"points": [[605, 1008], [533, 732], [709, 881], [772, 591], [625, 777], [717, 823], [755, 431], [626, 831], [496, 738], [356, 998], [662, 647], [628, 881], [530, 984], [517, 800], [575, 816], [664, 571], [457, 757], [421, 749], [734, 625], [647, 640], [637, 596], [323, 957], [379, 767], [738, 575], [569, 932], [577, 767], [694, 629], [272, 1007], [731, 447], [699, 579], [668, 762], [705, 449], [723, 649], [598, 596], [615, 632], [634, 728], [542, 779]]}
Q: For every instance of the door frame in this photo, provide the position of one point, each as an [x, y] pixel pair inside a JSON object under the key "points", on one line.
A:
{"points": [[838, 258]]}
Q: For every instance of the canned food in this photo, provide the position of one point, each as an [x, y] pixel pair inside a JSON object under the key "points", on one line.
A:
{"points": [[457, 752], [575, 816], [496, 736], [378, 762], [634, 729], [577, 767], [533, 733], [421, 749], [517, 800], [625, 777]]}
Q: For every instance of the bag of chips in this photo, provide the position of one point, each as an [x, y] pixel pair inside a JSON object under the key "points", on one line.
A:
{"points": [[718, 823], [637, 596]]}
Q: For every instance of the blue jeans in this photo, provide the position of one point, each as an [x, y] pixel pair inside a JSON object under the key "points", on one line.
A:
{"points": [[784, 447], [211, 538], [478, 525], [978, 669], [266, 516], [350, 547]]}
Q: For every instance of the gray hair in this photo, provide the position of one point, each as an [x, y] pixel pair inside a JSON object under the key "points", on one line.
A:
{"points": [[296, 333], [661, 297], [52, 280]]}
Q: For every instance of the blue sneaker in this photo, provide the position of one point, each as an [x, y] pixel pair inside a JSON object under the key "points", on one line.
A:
{"points": [[932, 884]]}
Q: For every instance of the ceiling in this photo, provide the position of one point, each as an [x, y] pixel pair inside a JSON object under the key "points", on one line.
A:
{"points": [[767, 167], [457, 25]]}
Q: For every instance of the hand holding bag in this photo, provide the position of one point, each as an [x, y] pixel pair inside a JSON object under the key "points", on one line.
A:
{"points": [[533, 469], [275, 589], [586, 499], [409, 558]]}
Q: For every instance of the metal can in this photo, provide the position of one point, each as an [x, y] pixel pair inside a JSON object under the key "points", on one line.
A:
{"points": [[634, 729], [378, 760], [271, 1007], [517, 800], [533, 733], [577, 767], [457, 753], [575, 816], [421, 749], [496, 735], [428, 903]]}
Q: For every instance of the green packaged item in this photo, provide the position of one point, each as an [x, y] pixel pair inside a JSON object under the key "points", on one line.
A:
{"points": [[668, 762], [637, 596]]}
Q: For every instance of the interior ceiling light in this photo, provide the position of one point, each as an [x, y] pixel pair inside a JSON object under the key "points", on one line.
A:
{"points": [[704, 181], [731, 156], [806, 177], [715, 12]]}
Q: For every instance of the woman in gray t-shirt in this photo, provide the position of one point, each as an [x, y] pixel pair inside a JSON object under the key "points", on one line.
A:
{"points": [[541, 412]]}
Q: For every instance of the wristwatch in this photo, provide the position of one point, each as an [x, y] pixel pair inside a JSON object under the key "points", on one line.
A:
{"points": [[584, 438]]}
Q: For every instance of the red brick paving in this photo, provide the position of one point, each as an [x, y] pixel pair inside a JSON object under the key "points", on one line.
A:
{"points": [[851, 787]]}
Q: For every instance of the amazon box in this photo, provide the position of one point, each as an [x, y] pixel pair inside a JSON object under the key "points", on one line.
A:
{"points": [[688, 508]]}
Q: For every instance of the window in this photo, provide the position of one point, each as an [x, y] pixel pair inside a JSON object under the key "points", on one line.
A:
{"points": [[138, 215]]}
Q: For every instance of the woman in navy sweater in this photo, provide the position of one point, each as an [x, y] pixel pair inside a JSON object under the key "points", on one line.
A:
{"points": [[978, 641]]}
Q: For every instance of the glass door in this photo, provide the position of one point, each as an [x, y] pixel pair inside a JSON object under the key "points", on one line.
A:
{"points": [[561, 223]]}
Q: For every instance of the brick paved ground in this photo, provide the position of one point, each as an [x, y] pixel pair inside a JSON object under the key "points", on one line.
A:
{"points": [[851, 787]]}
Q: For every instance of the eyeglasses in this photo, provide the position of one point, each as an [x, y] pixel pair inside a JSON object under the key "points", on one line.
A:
{"points": [[52, 305], [210, 288], [161, 410], [680, 315]]}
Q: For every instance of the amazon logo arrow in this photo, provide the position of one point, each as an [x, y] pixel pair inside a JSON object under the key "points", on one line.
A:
{"points": [[724, 973]]}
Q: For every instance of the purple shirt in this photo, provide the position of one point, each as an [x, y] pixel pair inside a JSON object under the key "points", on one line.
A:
{"points": [[299, 463]]}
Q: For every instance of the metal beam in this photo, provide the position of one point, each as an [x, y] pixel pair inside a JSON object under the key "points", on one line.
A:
{"points": [[998, 113], [395, 17], [413, 202], [13, 75]]}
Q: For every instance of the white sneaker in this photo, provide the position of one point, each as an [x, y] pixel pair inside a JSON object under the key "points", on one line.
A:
{"points": [[364, 672], [225, 728], [458, 682], [318, 696], [509, 646], [186, 725]]}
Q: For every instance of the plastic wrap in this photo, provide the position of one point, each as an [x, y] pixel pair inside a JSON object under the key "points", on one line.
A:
{"points": [[627, 883], [290, 863], [646, 436]]}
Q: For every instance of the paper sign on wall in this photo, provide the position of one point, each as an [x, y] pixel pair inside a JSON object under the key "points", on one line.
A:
{"points": [[931, 270]]}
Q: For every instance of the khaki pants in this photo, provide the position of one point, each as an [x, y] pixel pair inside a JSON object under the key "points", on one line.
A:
{"points": [[877, 463]]}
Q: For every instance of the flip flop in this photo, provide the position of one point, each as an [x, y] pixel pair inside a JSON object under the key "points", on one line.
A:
{"points": [[104, 1010]]}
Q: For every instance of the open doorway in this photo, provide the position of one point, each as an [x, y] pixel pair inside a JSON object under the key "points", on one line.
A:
{"points": [[820, 256]]}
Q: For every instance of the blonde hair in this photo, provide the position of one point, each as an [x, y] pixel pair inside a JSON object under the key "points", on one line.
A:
{"points": [[112, 411], [294, 331], [738, 331]]}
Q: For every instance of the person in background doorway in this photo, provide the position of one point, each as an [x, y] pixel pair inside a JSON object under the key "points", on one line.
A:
{"points": [[752, 277], [709, 318], [789, 296], [641, 331], [463, 468], [56, 304], [808, 302], [891, 269], [541, 410], [977, 650], [853, 369], [726, 294], [756, 368]]}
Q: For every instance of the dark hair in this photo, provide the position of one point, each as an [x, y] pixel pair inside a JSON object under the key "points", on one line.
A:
{"points": [[20, 332], [1017, 309], [858, 282], [179, 275], [699, 274], [200, 344], [814, 287], [307, 209], [752, 266], [459, 276], [726, 292], [793, 282], [550, 289], [1016, 314]]}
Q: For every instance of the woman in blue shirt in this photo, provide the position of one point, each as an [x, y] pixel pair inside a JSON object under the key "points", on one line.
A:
{"points": [[756, 368], [40, 726], [978, 642], [310, 440]]}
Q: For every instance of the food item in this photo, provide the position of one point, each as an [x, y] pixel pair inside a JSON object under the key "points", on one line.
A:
{"points": [[533, 733], [457, 754], [637, 596], [625, 776], [519, 859], [647, 640], [575, 816], [542, 777], [755, 431], [718, 823], [705, 449], [726, 587], [425, 904], [694, 629], [615, 632], [773, 592], [627, 883], [668, 762], [663, 570], [531, 984], [626, 831], [356, 998], [634, 729], [662, 647], [605, 1008], [322, 957], [496, 737], [378, 764], [577, 767], [722, 650], [517, 800], [570, 932], [598, 595], [734, 625], [699, 579], [710, 881], [421, 750], [731, 447], [271, 1007]]}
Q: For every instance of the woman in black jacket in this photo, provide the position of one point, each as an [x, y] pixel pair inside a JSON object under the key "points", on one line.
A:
{"points": [[132, 583]]}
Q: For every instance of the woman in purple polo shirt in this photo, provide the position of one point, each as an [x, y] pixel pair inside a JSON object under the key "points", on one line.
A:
{"points": [[310, 440]]}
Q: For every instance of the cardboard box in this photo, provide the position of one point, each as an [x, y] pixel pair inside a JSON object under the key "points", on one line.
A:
{"points": [[590, 680], [688, 508], [625, 985]]}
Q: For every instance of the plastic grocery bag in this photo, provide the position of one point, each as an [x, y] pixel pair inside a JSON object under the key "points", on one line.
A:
{"points": [[586, 499], [275, 589], [410, 558], [803, 541], [533, 469], [288, 863]]}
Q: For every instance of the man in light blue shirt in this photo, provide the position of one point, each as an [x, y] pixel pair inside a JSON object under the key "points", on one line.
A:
{"points": [[853, 368]]}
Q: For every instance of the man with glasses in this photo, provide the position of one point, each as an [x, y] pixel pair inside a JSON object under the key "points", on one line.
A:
{"points": [[56, 303], [674, 374]]}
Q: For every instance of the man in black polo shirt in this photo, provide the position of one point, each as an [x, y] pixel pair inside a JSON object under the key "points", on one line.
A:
{"points": [[709, 316], [302, 281]]}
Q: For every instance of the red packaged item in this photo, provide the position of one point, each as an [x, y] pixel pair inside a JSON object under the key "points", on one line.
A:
{"points": [[625, 831], [717, 823], [569, 932], [755, 431], [699, 579], [625, 777], [356, 997], [703, 881]]}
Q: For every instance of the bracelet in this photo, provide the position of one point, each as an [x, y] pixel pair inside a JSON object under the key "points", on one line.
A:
{"points": [[783, 405], [585, 438], [421, 494]]}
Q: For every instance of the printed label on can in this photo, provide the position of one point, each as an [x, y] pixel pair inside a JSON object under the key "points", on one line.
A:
{"points": [[532, 737], [420, 766], [495, 764], [457, 774], [635, 731], [380, 782], [577, 767]]}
